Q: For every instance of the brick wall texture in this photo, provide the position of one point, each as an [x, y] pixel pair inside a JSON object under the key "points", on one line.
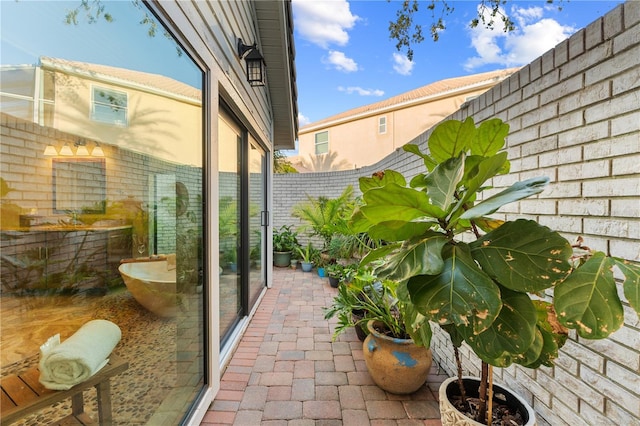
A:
{"points": [[574, 115]]}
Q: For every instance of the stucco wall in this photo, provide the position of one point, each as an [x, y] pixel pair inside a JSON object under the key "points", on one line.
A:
{"points": [[575, 117]]}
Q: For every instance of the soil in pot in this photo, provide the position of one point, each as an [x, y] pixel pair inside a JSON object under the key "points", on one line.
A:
{"points": [[508, 408]]}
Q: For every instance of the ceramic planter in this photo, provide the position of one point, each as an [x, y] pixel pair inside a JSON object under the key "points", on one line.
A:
{"points": [[450, 416], [281, 258], [306, 266], [396, 365], [321, 272]]}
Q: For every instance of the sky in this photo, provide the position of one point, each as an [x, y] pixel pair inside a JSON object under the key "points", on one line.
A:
{"points": [[344, 55], [346, 59]]}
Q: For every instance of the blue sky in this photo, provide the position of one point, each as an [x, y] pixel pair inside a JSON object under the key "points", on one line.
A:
{"points": [[345, 58]]}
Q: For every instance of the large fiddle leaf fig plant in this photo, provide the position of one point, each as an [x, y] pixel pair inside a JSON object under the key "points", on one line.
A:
{"points": [[484, 280]]}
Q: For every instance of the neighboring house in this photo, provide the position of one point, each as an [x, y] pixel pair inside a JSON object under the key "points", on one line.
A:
{"points": [[364, 135], [103, 163], [115, 106]]}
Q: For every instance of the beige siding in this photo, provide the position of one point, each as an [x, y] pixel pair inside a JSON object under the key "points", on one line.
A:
{"points": [[357, 142]]}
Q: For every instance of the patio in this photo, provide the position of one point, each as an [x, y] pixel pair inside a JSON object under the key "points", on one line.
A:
{"points": [[287, 371]]}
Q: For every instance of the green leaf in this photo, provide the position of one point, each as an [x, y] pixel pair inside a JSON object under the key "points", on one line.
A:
{"points": [[523, 255], [631, 284], [450, 138], [512, 333], [429, 162], [421, 257], [378, 253], [398, 230], [443, 181], [380, 179], [461, 294], [359, 222], [456, 338], [588, 300], [489, 137], [486, 169], [515, 192], [394, 202], [553, 334]]}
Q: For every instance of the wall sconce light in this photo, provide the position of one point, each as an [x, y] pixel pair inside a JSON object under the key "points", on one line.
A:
{"points": [[81, 151], [254, 62], [82, 148], [66, 150], [97, 151], [50, 151]]}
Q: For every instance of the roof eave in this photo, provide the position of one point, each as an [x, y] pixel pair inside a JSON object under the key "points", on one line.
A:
{"points": [[275, 24]]}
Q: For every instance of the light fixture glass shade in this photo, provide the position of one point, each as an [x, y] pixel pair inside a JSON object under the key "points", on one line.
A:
{"points": [[97, 151], [66, 150], [82, 150], [50, 150]]}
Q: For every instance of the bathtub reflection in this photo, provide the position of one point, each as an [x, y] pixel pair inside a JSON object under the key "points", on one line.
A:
{"points": [[152, 284]]}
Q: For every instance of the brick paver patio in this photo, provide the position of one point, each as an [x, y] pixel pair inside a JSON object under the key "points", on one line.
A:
{"points": [[288, 371]]}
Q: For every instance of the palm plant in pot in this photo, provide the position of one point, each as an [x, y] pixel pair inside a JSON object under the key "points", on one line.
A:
{"points": [[485, 281], [396, 347]]}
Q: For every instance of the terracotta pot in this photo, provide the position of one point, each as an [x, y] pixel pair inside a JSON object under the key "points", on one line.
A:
{"points": [[450, 416], [396, 365]]}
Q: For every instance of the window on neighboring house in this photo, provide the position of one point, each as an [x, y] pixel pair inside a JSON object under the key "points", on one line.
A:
{"points": [[322, 142], [109, 106], [382, 125]]}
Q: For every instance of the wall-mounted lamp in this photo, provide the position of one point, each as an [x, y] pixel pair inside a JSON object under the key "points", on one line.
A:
{"points": [[81, 151], [254, 61], [66, 150]]}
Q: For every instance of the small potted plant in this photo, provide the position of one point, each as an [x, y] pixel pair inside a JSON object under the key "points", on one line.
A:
{"points": [[285, 241], [306, 257], [478, 277], [334, 272]]}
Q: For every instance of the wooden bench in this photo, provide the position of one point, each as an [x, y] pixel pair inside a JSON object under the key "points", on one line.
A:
{"points": [[23, 394]]}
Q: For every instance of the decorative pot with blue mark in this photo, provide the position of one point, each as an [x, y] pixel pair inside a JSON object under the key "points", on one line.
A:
{"points": [[396, 365]]}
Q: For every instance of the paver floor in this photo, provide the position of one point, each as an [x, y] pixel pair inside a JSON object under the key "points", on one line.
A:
{"points": [[288, 371]]}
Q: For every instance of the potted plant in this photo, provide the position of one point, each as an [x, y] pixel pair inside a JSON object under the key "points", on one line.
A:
{"points": [[306, 257], [478, 276], [396, 350], [285, 241], [334, 272], [321, 214]]}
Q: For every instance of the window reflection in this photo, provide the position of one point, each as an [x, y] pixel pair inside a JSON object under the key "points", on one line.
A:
{"points": [[72, 217]]}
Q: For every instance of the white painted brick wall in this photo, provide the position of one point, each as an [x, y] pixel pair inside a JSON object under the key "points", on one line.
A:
{"points": [[575, 117]]}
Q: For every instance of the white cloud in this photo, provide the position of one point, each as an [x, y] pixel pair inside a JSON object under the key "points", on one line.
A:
{"points": [[303, 120], [341, 62], [360, 91], [401, 64], [534, 36], [324, 22]]}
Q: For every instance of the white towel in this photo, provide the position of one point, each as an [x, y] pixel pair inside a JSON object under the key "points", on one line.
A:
{"points": [[64, 365]]}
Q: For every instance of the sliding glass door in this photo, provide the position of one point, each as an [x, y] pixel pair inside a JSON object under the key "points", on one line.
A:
{"points": [[243, 221]]}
